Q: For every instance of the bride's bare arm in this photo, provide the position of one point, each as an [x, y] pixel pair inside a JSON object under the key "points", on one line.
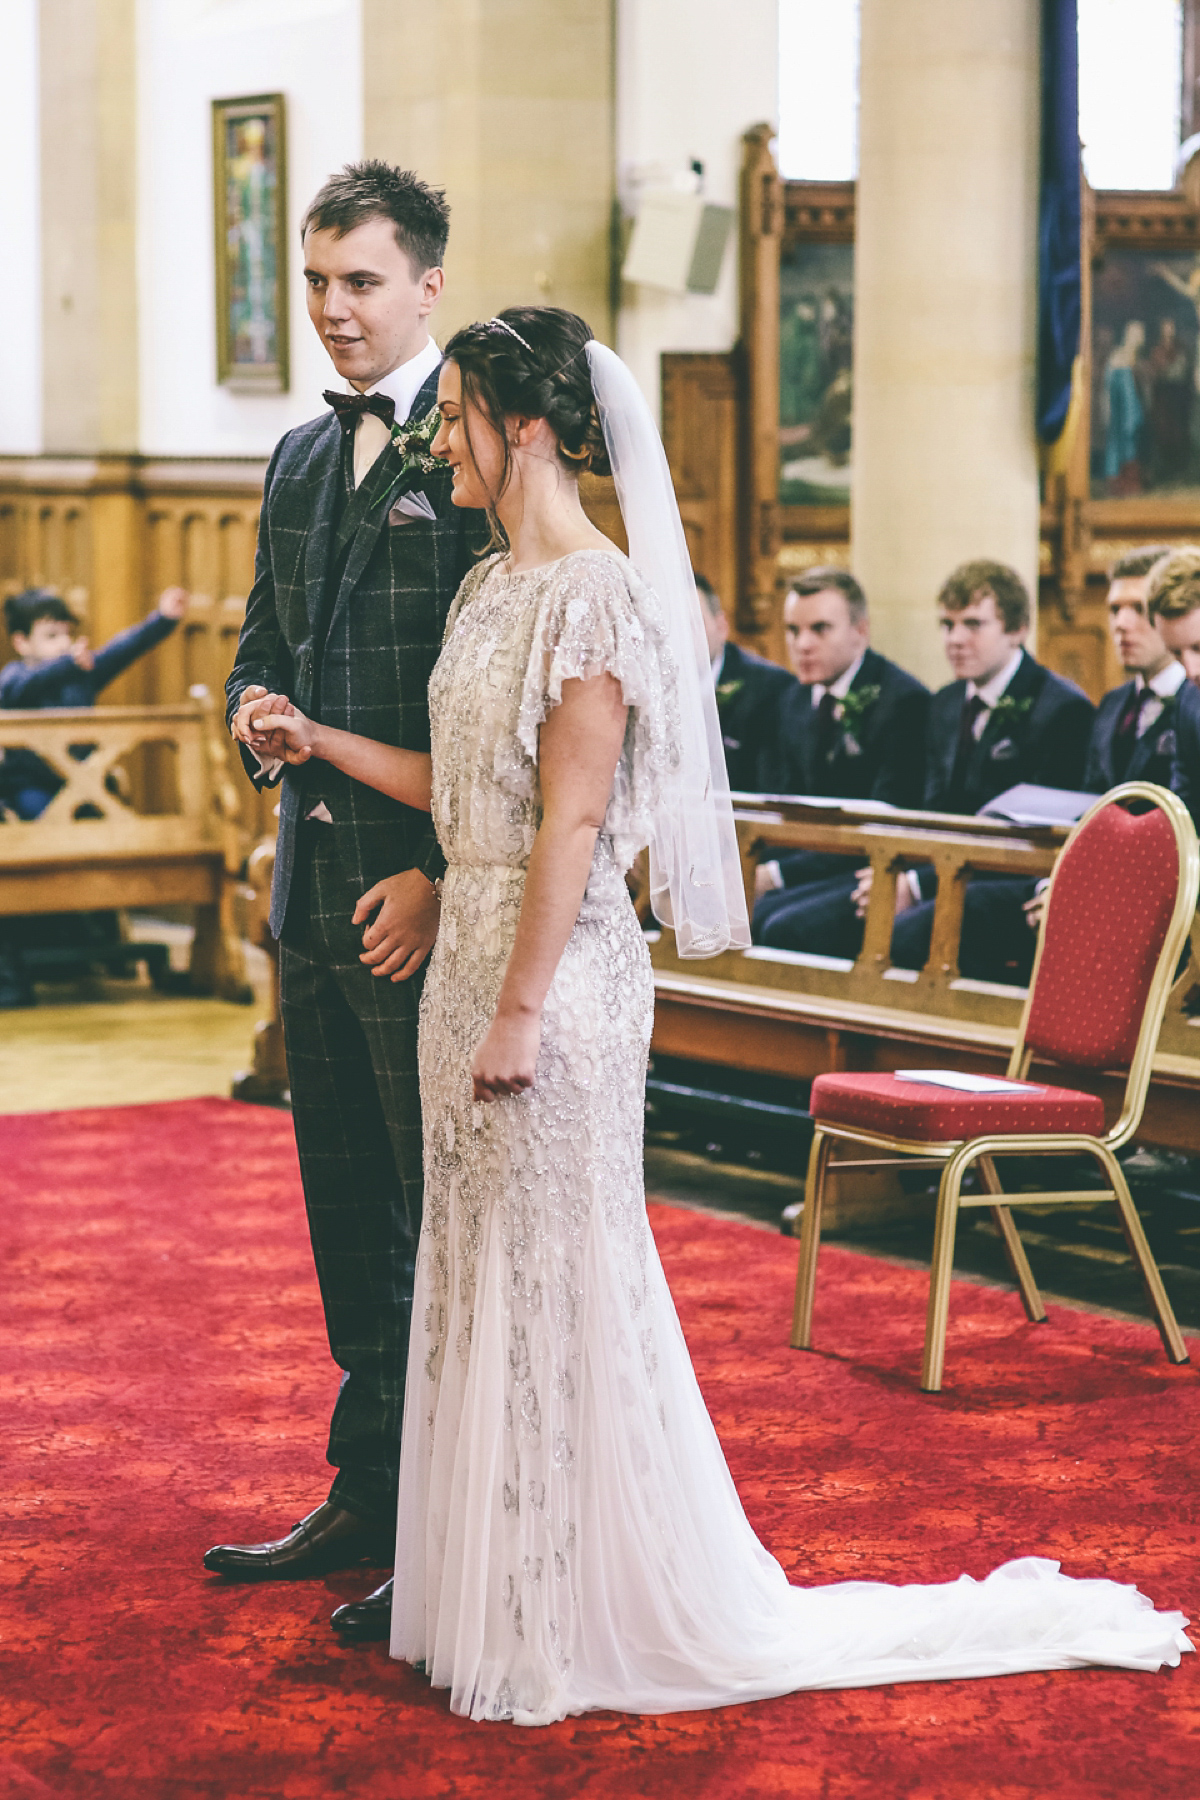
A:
{"points": [[578, 749], [404, 774]]}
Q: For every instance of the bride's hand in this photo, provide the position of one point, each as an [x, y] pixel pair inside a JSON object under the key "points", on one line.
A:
{"points": [[506, 1060], [291, 735]]}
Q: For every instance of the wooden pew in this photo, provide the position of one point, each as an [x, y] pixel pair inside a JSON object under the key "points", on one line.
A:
{"points": [[793, 1015], [117, 856]]}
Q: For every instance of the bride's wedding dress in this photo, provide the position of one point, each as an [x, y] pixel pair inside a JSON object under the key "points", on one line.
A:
{"points": [[569, 1535]]}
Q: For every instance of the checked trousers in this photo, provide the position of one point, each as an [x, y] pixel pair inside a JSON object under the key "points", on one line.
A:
{"points": [[351, 1041]]}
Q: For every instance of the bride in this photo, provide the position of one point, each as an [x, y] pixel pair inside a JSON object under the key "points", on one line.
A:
{"points": [[569, 1536]]}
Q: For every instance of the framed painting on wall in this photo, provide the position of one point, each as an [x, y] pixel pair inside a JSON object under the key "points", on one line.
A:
{"points": [[1145, 411], [816, 330], [250, 202]]}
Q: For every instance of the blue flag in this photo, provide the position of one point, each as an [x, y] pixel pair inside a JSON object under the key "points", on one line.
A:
{"points": [[1059, 218]]}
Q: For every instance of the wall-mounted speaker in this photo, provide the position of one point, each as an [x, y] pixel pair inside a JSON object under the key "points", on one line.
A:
{"points": [[678, 242]]}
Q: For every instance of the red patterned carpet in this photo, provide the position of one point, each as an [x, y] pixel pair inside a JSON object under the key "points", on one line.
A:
{"points": [[166, 1385]]}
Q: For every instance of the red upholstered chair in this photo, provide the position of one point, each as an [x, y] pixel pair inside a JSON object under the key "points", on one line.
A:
{"points": [[1120, 904]]}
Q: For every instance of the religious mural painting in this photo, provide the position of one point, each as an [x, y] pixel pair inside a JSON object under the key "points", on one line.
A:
{"points": [[249, 192], [816, 328], [1145, 401]]}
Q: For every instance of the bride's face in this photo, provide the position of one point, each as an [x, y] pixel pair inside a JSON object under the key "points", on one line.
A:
{"points": [[469, 442]]}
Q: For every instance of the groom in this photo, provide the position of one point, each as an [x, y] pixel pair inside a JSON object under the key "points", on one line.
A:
{"points": [[360, 552]]}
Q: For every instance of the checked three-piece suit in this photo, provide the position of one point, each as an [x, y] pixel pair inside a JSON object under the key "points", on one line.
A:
{"points": [[345, 617]]}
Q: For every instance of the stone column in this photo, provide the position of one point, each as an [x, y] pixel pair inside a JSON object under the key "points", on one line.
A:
{"points": [[944, 458], [89, 187], [510, 108]]}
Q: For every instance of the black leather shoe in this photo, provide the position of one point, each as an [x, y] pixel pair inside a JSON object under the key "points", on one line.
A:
{"points": [[366, 1621], [329, 1538]]}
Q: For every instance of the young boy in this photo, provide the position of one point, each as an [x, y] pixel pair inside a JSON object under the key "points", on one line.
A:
{"points": [[57, 668]]}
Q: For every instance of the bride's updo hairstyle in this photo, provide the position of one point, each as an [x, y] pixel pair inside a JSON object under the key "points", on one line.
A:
{"points": [[530, 362]]}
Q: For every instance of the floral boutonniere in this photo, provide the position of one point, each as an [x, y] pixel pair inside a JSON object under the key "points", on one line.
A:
{"points": [[413, 444], [727, 689], [1008, 712], [850, 711]]}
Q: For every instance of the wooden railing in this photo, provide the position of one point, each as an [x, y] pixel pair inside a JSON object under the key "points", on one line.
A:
{"points": [[92, 848], [110, 533], [791, 1014]]}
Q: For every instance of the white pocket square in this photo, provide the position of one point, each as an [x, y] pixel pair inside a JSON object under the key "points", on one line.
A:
{"points": [[410, 506]]}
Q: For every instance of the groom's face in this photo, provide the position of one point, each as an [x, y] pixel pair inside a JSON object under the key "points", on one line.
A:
{"points": [[369, 307]]}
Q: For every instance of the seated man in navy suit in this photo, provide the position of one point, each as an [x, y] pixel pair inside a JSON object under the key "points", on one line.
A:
{"points": [[1133, 738], [1173, 602], [748, 690], [1147, 729], [852, 728], [1004, 719], [1173, 608]]}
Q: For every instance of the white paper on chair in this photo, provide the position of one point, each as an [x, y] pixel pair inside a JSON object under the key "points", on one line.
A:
{"points": [[966, 1084]]}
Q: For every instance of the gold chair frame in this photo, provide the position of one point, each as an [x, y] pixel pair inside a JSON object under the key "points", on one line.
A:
{"points": [[955, 1158]]}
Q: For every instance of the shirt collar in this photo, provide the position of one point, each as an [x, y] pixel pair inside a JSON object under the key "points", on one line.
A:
{"points": [[405, 383], [991, 690], [841, 687], [1167, 682]]}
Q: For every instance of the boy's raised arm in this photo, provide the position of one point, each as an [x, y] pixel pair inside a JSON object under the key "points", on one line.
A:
{"points": [[24, 685]]}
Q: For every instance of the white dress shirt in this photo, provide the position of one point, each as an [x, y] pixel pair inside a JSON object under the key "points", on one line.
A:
{"points": [[1156, 692], [992, 690]]}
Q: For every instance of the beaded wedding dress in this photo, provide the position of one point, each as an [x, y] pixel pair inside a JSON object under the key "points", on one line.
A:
{"points": [[569, 1534]]}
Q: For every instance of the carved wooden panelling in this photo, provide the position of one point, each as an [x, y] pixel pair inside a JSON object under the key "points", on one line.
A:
{"points": [[110, 534]]}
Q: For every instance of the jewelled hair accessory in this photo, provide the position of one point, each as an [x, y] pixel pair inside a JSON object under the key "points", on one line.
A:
{"points": [[502, 325]]}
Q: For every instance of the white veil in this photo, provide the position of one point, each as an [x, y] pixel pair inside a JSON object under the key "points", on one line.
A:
{"points": [[695, 867]]}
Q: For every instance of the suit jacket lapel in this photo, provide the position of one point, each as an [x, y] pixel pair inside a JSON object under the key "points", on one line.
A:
{"points": [[949, 743], [426, 396], [870, 674], [366, 515], [811, 776], [324, 475]]}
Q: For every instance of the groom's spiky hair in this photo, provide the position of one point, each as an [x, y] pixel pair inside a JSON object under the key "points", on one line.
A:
{"points": [[376, 190]]}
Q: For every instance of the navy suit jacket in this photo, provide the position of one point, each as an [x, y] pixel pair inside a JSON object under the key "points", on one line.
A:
{"points": [[346, 617], [1041, 736], [748, 692], [1183, 776], [1153, 757], [879, 755]]}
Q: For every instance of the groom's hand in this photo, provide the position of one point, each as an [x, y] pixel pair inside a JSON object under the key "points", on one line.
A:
{"points": [[401, 935], [268, 746]]}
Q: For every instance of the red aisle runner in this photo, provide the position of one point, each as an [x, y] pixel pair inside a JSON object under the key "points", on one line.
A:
{"points": [[167, 1385]]}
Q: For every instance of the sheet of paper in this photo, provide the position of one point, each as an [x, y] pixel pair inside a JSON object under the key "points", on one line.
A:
{"points": [[1027, 804], [966, 1084]]}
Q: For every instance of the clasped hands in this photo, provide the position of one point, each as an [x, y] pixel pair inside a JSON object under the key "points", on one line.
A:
{"points": [[406, 908], [860, 898], [273, 727], [1033, 908], [401, 935]]}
